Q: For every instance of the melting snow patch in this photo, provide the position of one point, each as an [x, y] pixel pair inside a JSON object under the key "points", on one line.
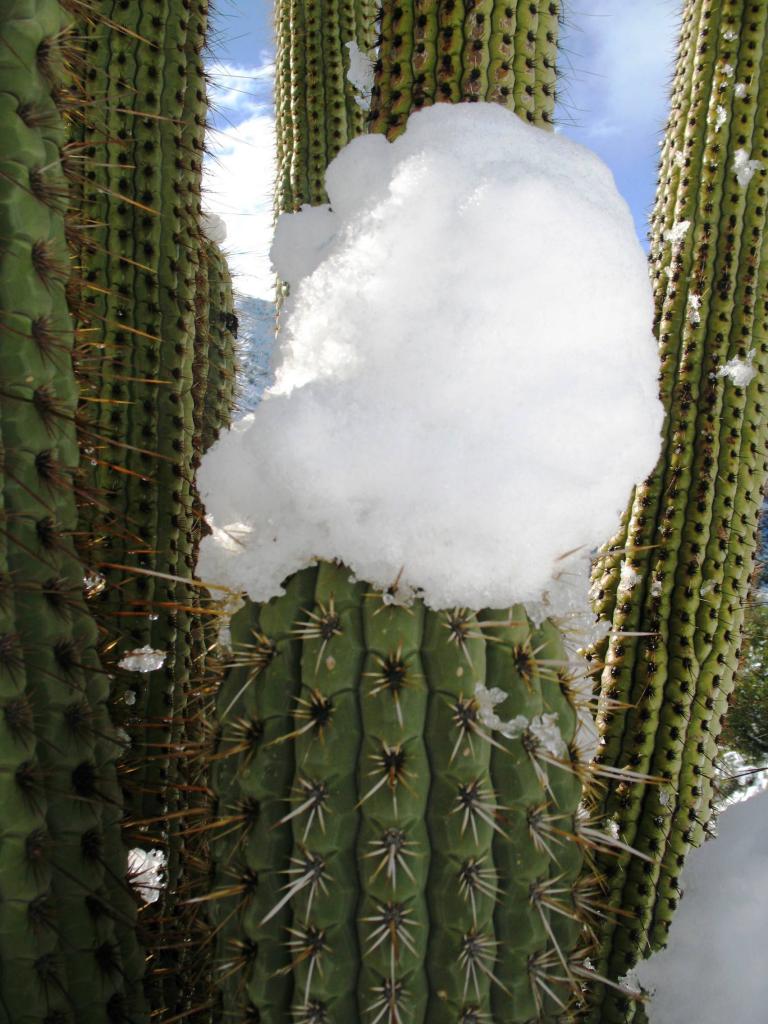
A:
{"points": [[740, 90], [730, 35], [677, 232], [146, 871], [472, 286], [629, 578], [744, 168], [739, 371], [93, 584], [360, 74], [694, 305], [721, 116], [543, 728], [143, 659], [728, 70]]}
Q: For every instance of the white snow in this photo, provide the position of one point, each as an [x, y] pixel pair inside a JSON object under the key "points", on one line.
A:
{"points": [[146, 871], [546, 732], [628, 578], [728, 70], [714, 966], [213, 227], [740, 90], [721, 116], [744, 168], [739, 371], [360, 74], [677, 232], [143, 659], [694, 306], [452, 318], [730, 35]]}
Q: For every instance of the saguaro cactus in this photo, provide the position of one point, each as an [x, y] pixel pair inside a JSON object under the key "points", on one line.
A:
{"points": [[384, 852], [674, 582], [149, 406], [67, 945]]}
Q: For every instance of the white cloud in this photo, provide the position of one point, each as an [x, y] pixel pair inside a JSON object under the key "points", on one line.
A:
{"points": [[617, 63], [240, 171]]}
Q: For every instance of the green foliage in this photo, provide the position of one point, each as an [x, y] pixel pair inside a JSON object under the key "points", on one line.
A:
{"points": [[746, 728]]}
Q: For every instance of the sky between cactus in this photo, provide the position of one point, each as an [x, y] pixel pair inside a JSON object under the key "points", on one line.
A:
{"points": [[476, 283]]}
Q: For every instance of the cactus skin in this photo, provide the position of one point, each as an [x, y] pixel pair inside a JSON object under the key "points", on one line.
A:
{"points": [[317, 112], [220, 339], [442, 51], [694, 520], [67, 946], [140, 263], [385, 852]]}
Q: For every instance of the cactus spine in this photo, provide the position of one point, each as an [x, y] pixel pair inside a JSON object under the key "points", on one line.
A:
{"points": [[691, 531], [67, 945]]}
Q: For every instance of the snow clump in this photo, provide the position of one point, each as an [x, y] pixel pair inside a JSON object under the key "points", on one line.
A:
{"points": [[143, 659], [677, 232], [146, 872], [739, 371], [360, 74], [744, 168], [465, 377], [213, 227]]}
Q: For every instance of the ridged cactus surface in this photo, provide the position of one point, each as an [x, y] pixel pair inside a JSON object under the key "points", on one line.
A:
{"points": [[218, 341], [388, 853], [316, 105], [674, 582], [446, 51], [68, 952]]}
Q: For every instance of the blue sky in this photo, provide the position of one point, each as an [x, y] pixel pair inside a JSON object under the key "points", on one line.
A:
{"points": [[616, 62]]}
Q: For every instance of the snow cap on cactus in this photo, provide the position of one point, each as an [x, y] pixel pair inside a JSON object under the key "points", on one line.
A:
{"points": [[452, 315]]}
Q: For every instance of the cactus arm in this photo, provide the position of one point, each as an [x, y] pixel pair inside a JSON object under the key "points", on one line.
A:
{"points": [[693, 524]]}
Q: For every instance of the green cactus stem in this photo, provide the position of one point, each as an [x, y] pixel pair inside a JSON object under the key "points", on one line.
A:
{"points": [[674, 587], [68, 951], [444, 51], [220, 344], [386, 851]]}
